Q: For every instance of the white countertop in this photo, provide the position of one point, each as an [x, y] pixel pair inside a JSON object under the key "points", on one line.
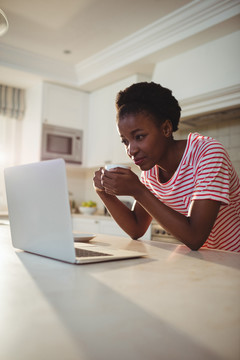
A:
{"points": [[175, 304]]}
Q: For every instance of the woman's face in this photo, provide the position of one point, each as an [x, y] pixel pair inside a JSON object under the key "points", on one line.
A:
{"points": [[146, 143]]}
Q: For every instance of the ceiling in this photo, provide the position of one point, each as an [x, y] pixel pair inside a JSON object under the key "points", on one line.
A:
{"points": [[90, 43]]}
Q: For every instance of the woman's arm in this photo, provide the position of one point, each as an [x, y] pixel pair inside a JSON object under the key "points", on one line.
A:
{"points": [[193, 231], [134, 222]]}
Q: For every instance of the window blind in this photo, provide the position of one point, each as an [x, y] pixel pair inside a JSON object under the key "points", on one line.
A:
{"points": [[12, 102]]}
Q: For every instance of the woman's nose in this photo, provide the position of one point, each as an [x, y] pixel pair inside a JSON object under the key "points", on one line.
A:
{"points": [[132, 149]]}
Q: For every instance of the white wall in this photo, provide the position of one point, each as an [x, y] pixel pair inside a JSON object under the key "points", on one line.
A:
{"points": [[10, 145]]}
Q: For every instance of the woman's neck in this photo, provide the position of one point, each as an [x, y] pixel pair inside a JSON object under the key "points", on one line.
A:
{"points": [[175, 154]]}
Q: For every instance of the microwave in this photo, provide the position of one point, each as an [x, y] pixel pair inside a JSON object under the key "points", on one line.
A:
{"points": [[61, 142]]}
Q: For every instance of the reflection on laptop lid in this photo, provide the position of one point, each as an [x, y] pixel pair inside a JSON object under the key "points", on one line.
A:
{"points": [[40, 218]]}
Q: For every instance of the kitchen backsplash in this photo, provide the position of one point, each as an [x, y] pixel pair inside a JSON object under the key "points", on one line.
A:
{"points": [[225, 131]]}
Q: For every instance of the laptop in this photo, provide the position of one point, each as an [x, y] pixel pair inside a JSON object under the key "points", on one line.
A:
{"points": [[40, 217]]}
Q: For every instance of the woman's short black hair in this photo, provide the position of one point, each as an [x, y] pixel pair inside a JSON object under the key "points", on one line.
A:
{"points": [[151, 98]]}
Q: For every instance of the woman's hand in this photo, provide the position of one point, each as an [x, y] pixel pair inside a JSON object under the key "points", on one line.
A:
{"points": [[97, 180], [120, 181]]}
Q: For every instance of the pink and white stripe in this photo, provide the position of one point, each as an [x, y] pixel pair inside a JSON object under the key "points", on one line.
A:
{"points": [[205, 172]]}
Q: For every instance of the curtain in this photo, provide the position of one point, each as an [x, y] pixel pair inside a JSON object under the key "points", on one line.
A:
{"points": [[10, 145], [12, 108], [12, 102]]}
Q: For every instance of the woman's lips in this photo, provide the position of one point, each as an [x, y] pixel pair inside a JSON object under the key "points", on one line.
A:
{"points": [[139, 161]]}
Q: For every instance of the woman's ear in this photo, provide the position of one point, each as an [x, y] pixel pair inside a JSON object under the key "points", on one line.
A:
{"points": [[167, 128]]}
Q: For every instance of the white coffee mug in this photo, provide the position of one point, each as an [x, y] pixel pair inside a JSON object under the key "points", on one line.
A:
{"points": [[112, 166]]}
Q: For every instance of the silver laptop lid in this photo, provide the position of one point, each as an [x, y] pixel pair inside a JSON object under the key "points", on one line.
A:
{"points": [[39, 211]]}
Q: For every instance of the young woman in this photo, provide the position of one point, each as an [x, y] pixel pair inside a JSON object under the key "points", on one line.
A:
{"points": [[188, 186]]}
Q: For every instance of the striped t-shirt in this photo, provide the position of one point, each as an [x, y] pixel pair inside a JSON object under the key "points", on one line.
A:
{"points": [[205, 172]]}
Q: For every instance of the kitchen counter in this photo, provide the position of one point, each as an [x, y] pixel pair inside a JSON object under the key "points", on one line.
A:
{"points": [[174, 304]]}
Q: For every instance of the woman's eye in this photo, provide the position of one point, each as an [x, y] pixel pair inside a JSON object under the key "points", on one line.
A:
{"points": [[124, 142], [139, 137]]}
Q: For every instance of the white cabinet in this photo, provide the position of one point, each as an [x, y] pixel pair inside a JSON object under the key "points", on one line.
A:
{"points": [[101, 225], [99, 132], [64, 106], [111, 227], [85, 225], [104, 143], [97, 225], [103, 140], [54, 105]]}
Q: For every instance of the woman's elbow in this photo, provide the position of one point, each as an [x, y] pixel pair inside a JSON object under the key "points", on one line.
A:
{"points": [[194, 247], [137, 235], [193, 244]]}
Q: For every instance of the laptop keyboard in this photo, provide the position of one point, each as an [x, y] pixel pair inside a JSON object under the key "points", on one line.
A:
{"points": [[88, 253]]}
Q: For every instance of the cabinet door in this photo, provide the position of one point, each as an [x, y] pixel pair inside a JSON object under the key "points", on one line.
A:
{"points": [[99, 133], [65, 107], [110, 227], [104, 143], [88, 226]]}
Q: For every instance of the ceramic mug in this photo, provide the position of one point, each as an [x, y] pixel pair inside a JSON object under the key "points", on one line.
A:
{"points": [[112, 166]]}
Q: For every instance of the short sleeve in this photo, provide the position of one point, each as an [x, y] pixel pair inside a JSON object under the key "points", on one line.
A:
{"points": [[212, 174]]}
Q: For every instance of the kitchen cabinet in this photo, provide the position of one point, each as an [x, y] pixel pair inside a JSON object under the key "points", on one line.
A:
{"points": [[54, 105], [94, 113], [64, 106], [104, 143], [103, 140], [99, 132], [100, 225], [85, 225]]}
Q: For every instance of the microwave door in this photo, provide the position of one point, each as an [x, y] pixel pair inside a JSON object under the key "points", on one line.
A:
{"points": [[61, 142]]}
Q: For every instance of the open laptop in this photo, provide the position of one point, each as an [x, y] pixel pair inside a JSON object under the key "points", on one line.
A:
{"points": [[40, 218]]}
